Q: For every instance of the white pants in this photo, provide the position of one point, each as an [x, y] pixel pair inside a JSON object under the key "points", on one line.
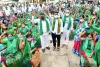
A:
{"points": [[50, 37], [65, 37], [44, 40]]}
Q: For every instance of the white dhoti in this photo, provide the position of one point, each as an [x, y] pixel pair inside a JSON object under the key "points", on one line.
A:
{"points": [[65, 37], [66, 32], [44, 40], [50, 38]]}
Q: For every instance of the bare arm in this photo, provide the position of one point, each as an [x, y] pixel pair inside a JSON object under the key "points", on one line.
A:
{"points": [[81, 34], [91, 54], [32, 50]]}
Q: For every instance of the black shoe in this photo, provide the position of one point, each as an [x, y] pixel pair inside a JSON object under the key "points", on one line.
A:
{"points": [[43, 50], [58, 48], [54, 48], [48, 48]]}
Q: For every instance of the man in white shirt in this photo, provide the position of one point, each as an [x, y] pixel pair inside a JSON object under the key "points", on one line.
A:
{"points": [[44, 29], [23, 9], [30, 8], [57, 30], [15, 10], [7, 12], [68, 27], [96, 8], [19, 10]]}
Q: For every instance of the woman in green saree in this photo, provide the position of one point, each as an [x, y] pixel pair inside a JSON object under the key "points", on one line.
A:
{"points": [[23, 29], [13, 57], [31, 50], [97, 47], [2, 50], [88, 57]]}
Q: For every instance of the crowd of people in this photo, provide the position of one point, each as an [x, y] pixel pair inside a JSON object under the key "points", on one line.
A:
{"points": [[27, 28]]}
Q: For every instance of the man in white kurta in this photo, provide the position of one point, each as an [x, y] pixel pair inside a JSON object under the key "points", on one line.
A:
{"points": [[15, 9], [44, 29], [68, 27], [7, 12], [30, 9]]}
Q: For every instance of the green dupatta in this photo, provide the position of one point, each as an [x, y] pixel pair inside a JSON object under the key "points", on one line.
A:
{"points": [[69, 22], [88, 50], [86, 46], [12, 46], [41, 28]]}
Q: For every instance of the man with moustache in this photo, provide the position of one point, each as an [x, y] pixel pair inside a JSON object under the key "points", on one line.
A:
{"points": [[44, 28]]}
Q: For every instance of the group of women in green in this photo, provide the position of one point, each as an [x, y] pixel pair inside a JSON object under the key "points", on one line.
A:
{"points": [[87, 36], [20, 43]]}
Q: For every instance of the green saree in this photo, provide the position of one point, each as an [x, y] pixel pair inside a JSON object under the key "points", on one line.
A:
{"points": [[88, 48]]}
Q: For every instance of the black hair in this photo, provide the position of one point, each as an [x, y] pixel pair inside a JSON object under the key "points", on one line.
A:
{"points": [[41, 5], [15, 14], [82, 16], [87, 16], [89, 34], [28, 35]]}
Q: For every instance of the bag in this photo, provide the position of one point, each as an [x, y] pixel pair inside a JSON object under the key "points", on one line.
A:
{"points": [[35, 60]]}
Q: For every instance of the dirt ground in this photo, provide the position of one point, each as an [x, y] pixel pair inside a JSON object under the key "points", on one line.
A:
{"points": [[62, 58]]}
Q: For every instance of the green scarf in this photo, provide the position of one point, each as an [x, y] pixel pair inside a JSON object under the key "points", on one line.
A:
{"points": [[88, 46], [59, 24], [47, 26], [69, 22], [11, 46], [26, 49]]}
